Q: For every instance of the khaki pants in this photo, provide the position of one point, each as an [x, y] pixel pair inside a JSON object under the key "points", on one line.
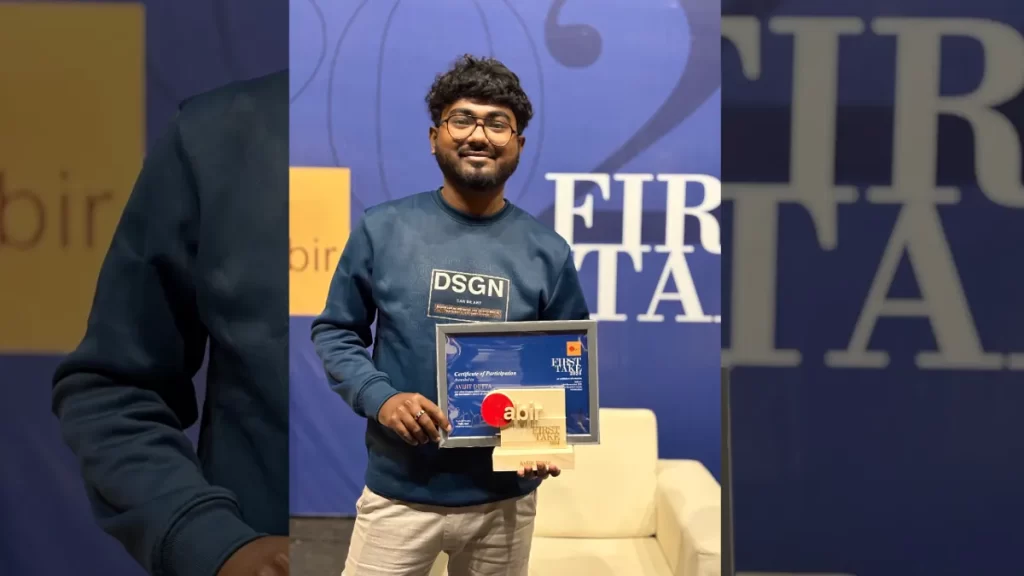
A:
{"points": [[393, 538]]}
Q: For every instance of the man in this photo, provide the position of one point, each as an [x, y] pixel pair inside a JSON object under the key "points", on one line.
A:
{"points": [[419, 499], [198, 259]]}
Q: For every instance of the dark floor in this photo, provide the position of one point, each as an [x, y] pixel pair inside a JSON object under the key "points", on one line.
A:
{"points": [[319, 545]]}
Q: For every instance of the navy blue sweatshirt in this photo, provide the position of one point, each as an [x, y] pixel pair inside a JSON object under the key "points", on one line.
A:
{"points": [[198, 260], [398, 266]]}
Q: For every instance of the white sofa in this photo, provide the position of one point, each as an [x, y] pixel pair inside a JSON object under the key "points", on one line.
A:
{"points": [[624, 512]]}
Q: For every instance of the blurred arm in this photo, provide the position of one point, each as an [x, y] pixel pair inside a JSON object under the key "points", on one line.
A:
{"points": [[125, 395]]}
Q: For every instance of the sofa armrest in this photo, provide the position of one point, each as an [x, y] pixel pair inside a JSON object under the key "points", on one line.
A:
{"points": [[688, 505]]}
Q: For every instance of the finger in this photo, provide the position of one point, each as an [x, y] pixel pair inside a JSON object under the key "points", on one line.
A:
{"points": [[554, 471], [542, 470], [414, 429], [428, 426], [522, 472], [412, 423], [435, 414], [283, 561], [399, 428]]}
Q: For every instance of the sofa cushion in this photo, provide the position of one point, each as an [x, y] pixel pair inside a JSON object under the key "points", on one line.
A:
{"points": [[597, 557], [610, 493], [689, 505]]}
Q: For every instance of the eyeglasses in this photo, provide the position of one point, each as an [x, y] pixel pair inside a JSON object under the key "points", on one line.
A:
{"points": [[462, 126]]}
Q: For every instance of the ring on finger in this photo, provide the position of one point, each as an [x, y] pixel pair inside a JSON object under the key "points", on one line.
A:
{"points": [[418, 414]]}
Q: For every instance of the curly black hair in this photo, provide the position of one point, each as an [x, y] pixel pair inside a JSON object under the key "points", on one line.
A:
{"points": [[483, 79]]}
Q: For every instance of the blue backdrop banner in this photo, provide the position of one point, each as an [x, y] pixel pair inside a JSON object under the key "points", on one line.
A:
{"points": [[622, 160], [872, 168]]}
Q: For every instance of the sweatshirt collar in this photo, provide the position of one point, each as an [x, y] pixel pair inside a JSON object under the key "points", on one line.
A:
{"points": [[470, 218]]}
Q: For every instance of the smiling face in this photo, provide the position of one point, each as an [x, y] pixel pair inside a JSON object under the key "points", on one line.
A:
{"points": [[477, 145]]}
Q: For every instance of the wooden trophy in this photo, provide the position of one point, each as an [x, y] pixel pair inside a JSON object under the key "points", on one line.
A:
{"points": [[532, 427]]}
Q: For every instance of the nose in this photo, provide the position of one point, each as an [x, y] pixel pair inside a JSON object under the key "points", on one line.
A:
{"points": [[477, 135]]}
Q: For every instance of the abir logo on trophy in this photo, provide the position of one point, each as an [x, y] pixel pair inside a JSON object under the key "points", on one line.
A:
{"points": [[532, 427], [530, 389]]}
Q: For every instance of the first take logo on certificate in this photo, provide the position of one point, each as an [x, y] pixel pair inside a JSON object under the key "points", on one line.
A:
{"points": [[528, 388]]}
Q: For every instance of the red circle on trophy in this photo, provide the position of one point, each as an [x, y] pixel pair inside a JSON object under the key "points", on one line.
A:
{"points": [[492, 409]]}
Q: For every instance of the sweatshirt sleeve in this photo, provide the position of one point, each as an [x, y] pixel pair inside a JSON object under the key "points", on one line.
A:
{"points": [[341, 334], [124, 397], [566, 301]]}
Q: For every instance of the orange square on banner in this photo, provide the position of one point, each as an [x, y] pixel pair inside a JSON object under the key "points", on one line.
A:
{"points": [[319, 221], [72, 110], [573, 348]]}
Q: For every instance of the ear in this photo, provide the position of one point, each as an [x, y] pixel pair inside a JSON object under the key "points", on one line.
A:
{"points": [[432, 134], [522, 142]]}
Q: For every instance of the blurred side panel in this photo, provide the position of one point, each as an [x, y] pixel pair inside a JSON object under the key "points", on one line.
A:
{"points": [[728, 542], [872, 173], [85, 90]]}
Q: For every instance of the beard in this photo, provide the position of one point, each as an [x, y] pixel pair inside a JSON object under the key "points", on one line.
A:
{"points": [[468, 178]]}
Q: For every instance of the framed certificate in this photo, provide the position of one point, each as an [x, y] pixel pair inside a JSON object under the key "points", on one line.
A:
{"points": [[476, 358]]}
